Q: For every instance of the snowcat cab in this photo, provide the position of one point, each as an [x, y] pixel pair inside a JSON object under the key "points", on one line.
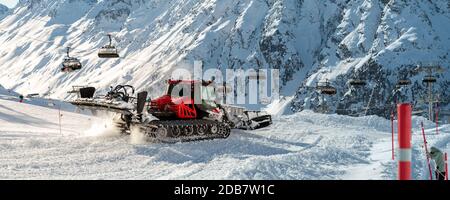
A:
{"points": [[108, 51], [185, 99], [70, 63]]}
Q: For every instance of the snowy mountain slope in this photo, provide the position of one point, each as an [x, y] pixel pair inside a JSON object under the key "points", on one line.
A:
{"points": [[382, 42], [3, 11], [4, 91], [155, 35], [316, 40], [301, 146]]}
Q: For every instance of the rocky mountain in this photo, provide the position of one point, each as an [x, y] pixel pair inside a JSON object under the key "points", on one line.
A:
{"points": [[3, 11], [380, 41]]}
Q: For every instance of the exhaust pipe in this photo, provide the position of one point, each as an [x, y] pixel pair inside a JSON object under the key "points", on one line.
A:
{"points": [[141, 99]]}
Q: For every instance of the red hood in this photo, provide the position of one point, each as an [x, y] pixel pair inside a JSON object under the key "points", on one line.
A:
{"points": [[161, 102], [165, 100]]}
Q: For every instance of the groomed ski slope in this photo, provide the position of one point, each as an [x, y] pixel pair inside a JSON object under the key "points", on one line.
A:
{"points": [[305, 145]]}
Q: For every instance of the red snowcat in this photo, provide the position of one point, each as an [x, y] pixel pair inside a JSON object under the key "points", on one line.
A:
{"points": [[187, 111]]}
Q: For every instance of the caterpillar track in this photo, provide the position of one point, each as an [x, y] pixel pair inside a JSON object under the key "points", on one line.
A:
{"points": [[172, 131]]}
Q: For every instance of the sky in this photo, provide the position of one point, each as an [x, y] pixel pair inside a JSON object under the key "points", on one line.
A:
{"points": [[9, 3]]}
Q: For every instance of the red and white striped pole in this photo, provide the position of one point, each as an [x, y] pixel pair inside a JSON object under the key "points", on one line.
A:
{"points": [[404, 140], [426, 150], [446, 167], [392, 130]]}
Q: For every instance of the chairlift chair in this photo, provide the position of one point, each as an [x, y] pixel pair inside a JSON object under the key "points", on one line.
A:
{"points": [[357, 82], [108, 51], [326, 88], [70, 63], [429, 79], [404, 82], [329, 90]]}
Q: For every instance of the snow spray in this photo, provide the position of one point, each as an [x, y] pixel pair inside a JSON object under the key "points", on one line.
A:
{"points": [[103, 126], [404, 140], [426, 151], [137, 136]]}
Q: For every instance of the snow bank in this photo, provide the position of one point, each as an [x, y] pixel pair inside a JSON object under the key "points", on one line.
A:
{"points": [[305, 145]]}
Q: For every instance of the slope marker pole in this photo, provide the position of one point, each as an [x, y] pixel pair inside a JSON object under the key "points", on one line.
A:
{"points": [[446, 167], [392, 129], [426, 151], [404, 139]]}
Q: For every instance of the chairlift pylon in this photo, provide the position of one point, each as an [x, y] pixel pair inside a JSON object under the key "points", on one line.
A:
{"points": [[429, 69], [108, 51]]}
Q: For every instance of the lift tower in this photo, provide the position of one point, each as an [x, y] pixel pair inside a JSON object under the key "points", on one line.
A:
{"points": [[429, 79]]}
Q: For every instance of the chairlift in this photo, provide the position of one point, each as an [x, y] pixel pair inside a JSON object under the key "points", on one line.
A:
{"points": [[403, 82], [70, 63], [430, 68], [108, 51], [429, 79], [326, 88], [357, 82]]}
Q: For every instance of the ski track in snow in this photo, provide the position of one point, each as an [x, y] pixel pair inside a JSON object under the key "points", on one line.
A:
{"points": [[301, 146]]}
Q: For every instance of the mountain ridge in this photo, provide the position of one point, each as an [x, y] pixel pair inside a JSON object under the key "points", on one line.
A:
{"points": [[309, 41]]}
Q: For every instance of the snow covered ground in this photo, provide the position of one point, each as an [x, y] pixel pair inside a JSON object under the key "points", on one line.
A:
{"points": [[305, 145]]}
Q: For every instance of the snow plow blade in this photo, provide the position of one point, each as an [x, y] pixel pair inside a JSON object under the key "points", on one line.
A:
{"points": [[261, 122]]}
